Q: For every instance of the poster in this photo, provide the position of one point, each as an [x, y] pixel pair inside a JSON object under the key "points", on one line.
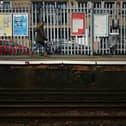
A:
{"points": [[100, 25], [78, 24], [5, 25], [20, 25]]}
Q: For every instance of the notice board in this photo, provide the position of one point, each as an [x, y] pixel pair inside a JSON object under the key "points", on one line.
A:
{"points": [[78, 24], [100, 25]]}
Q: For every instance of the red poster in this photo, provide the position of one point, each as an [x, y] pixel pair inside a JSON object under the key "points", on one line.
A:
{"points": [[78, 24]]}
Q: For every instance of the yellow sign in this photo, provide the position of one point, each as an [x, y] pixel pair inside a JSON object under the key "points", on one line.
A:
{"points": [[5, 25]]}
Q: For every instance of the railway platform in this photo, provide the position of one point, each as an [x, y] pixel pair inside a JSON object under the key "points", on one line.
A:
{"points": [[63, 60]]}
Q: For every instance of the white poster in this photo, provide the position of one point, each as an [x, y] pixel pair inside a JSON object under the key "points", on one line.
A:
{"points": [[5, 25], [100, 25], [78, 24]]}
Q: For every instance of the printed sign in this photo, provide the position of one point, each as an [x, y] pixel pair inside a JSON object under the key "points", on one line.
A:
{"points": [[100, 25], [78, 24], [5, 25], [20, 24]]}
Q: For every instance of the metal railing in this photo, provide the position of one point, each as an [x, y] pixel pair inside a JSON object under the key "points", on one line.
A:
{"points": [[57, 19], [116, 36], [12, 43], [58, 28]]}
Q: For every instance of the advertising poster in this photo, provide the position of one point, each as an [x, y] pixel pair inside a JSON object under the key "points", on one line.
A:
{"points": [[100, 25], [20, 25], [78, 24], [5, 25]]}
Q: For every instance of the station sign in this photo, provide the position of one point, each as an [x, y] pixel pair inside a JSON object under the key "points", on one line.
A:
{"points": [[78, 24]]}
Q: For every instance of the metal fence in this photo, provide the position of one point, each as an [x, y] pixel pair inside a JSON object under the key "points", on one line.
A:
{"points": [[58, 28], [57, 18], [10, 43], [115, 42]]}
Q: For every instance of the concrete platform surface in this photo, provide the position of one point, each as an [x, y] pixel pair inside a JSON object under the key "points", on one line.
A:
{"points": [[60, 59]]}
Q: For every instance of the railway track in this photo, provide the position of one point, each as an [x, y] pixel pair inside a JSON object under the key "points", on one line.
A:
{"points": [[85, 103], [62, 108], [64, 95], [66, 107], [63, 114]]}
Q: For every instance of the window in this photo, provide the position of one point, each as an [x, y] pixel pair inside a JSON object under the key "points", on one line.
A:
{"points": [[1, 4], [4, 3]]}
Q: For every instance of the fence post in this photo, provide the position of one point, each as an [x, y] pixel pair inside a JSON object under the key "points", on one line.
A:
{"points": [[32, 11], [92, 27]]}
